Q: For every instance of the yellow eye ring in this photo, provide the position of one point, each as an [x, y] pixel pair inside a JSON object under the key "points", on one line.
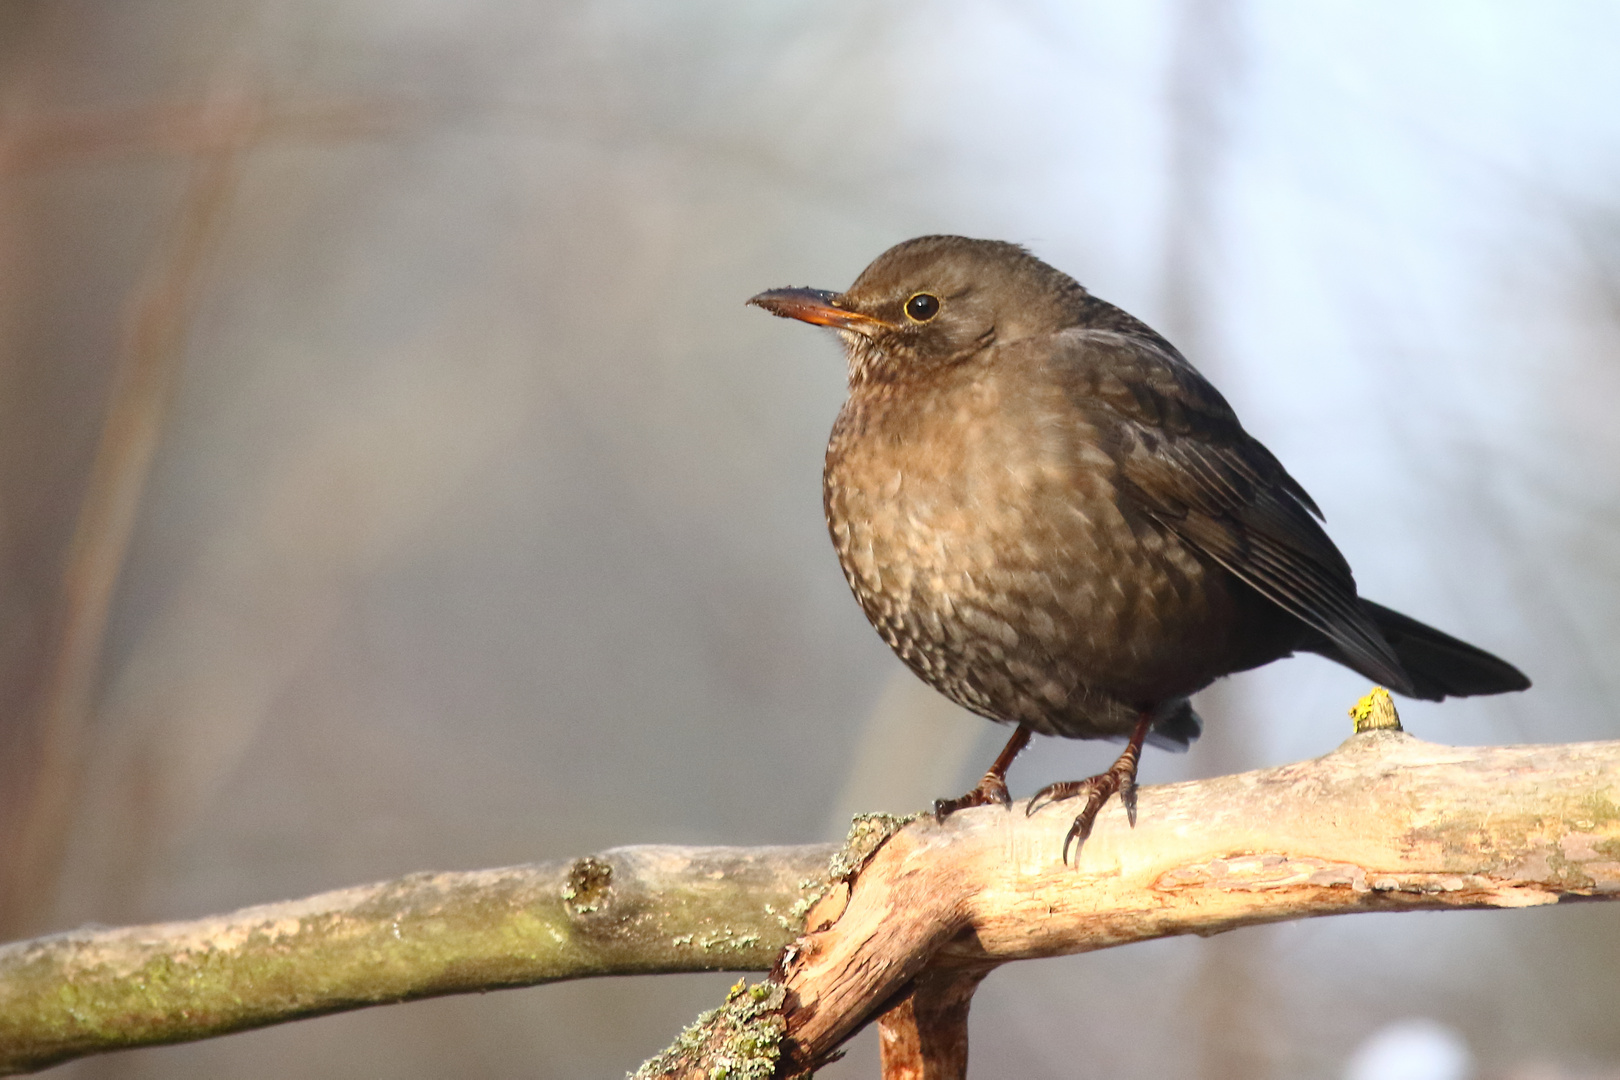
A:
{"points": [[922, 307]]}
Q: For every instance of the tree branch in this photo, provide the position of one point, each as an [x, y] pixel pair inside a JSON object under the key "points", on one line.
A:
{"points": [[638, 910], [1386, 822]]}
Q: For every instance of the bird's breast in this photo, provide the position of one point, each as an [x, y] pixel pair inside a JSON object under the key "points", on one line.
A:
{"points": [[961, 493], [980, 525]]}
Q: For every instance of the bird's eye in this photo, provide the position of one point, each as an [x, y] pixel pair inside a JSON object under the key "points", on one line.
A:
{"points": [[922, 307]]}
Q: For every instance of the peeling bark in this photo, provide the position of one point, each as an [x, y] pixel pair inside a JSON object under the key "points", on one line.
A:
{"points": [[925, 1036], [1384, 823]]}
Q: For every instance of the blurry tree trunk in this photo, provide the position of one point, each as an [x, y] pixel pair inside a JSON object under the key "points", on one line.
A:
{"points": [[46, 736], [44, 775]]}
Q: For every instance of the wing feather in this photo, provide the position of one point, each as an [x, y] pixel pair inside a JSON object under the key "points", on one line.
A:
{"points": [[1188, 463]]}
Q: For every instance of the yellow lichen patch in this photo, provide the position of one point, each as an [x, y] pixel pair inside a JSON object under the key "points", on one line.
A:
{"points": [[1375, 712]]}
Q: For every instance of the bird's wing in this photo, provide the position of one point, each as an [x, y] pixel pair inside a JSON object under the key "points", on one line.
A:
{"points": [[1187, 462]]}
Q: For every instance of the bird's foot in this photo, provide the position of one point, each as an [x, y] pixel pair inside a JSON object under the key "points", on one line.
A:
{"points": [[1096, 789], [991, 789], [993, 786], [1119, 779]]}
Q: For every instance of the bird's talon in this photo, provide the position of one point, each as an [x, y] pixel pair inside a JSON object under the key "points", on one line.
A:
{"points": [[1070, 837], [989, 791], [1080, 831], [992, 787], [1052, 793]]}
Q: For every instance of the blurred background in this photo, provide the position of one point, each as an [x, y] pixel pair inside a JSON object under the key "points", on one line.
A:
{"points": [[391, 477]]}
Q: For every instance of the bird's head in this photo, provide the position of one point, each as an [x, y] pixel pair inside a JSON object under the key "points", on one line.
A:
{"points": [[936, 301]]}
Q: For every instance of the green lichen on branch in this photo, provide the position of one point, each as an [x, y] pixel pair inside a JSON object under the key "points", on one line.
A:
{"points": [[626, 911], [867, 833], [741, 1040]]}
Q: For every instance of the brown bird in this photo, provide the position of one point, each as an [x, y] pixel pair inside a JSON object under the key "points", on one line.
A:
{"points": [[1058, 523]]}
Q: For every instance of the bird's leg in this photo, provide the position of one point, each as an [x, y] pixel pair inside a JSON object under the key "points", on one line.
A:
{"points": [[1120, 777], [993, 786]]}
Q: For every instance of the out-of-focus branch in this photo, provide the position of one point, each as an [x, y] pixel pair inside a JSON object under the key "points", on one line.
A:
{"points": [[636, 910], [227, 124], [1384, 823]]}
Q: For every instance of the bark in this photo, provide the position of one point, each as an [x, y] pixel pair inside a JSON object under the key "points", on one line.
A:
{"points": [[904, 921], [637, 910], [1384, 823], [924, 1037]]}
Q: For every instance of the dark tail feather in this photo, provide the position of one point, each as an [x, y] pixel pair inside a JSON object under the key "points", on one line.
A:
{"points": [[1175, 726], [1439, 664]]}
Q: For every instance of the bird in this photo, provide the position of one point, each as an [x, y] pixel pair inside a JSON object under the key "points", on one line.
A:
{"points": [[1058, 523]]}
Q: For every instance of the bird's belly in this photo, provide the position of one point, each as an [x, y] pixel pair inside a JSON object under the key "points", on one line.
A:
{"points": [[1027, 594]]}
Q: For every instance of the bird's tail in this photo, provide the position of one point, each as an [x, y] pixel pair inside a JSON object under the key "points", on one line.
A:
{"points": [[1439, 664], [1175, 725]]}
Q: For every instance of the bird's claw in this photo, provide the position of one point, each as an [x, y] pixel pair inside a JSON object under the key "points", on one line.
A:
{"points": [[1117, 780], [1051, 793], [990, 790], [1086, 818]]}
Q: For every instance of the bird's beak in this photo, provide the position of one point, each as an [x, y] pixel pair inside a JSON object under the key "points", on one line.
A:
{"points": [[816, 306]]}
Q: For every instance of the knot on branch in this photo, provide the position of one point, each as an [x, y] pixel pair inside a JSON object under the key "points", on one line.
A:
{"points": [[586, 889]]}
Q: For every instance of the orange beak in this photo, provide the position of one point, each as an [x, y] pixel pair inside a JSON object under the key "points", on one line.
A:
{"points": [[818, 307]]}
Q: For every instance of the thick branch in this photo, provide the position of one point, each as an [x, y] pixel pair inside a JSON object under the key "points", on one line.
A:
{"points": [[1386, 822], [637, 910]]}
